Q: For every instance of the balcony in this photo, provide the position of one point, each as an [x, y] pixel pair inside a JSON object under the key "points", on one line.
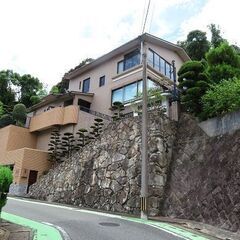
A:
{"points": [[55, 116]]}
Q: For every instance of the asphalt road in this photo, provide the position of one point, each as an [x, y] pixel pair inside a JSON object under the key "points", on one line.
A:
{"points": [[86, 226]]}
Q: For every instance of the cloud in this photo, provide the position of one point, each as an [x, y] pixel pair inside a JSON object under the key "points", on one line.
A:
{"points": [[222, 13], [46, 38]]}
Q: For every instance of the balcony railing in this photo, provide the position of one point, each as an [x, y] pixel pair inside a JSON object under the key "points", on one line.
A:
{"points": [[95, 113]]}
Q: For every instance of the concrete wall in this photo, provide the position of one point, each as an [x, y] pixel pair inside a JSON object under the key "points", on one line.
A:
{"points": [[12, 138], [102, 95], [221, 125]]}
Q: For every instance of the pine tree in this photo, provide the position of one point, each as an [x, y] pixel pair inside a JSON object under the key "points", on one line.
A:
{"points": [[117, 108], [55, 146], [96, 128], [83, 138], [67, 144]]}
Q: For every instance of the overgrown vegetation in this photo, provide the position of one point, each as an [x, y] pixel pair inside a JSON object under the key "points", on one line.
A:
{"points": [[222, 98], [207, 85], [6, 179]]}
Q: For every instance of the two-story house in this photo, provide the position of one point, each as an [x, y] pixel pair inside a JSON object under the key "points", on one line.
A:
{"points": [[115, 76]]}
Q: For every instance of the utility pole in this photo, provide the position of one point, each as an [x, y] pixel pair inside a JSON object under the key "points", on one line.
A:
{"points": [[144, 170]]}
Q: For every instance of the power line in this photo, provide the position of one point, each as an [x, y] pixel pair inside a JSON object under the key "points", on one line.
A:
{"points": [[145, 20]]}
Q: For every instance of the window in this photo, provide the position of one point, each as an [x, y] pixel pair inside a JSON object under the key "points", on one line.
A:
{"points": [[86, 85], [80, 85], [101, 81], [120, 67], [131, 91], [117, 95], [160, 64], [130, 60]]}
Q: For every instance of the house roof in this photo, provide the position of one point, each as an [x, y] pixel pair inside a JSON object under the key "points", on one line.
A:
{"points": [[125, 47], [60, 96]]}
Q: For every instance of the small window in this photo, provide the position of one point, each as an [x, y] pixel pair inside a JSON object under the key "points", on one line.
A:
{"points": [[80, 85], [120, 67], [101, 81], [86, 85]]}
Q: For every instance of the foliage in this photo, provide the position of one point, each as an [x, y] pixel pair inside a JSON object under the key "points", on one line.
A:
{"points": [[19, 114], [196, 45], [55, 146], [83, 138], [1, 109], [7, 95], [216, 39], [223, 63], [14, 87], [221, 98], [6, 120], [6, 179], [54, 90], [67, 144], [117, 108], [63, 86], [96, 128], [193, 83]]}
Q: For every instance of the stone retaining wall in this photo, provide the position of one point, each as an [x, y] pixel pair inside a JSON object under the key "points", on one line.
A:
{"points": [[106, 174], [204, 183]]}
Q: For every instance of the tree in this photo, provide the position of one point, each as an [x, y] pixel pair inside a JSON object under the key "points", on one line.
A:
{"points": [[6, 120], [19, 114], [196, 45], [7, 95], [54, 90], [83, 138], [67, 144], [6, 179], [28, 86], [221, 98], [193, 82], [223, 63], [1, 109], [96, 128], [117, 108], [55, 146], [216, 39]]}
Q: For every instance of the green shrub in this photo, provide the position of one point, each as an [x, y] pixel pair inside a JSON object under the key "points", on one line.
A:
{"points": [[5, 120], [222, 98], [19, 114], [6, 179]]}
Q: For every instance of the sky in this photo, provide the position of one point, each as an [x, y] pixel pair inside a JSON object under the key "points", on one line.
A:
{"points": [[46, 38]]}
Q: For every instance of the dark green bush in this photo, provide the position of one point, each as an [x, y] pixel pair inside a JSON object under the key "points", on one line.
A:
{"points": [[6, 179]]}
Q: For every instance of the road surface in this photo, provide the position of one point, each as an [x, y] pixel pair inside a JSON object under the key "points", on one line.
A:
{"points": [[83, 225]]}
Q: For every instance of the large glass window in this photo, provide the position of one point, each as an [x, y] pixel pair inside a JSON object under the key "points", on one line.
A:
{"points": [[86, 85], [130, 92], [159, 64], [117, 95], [168, 70], [150, 57], [162, 66], [130, 60]]}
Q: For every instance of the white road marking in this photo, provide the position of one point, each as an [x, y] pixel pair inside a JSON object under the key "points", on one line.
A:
{"points": [[94, 212], [60, 229]]}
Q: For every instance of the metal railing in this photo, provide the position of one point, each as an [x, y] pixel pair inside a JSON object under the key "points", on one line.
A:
{"points": [[95, 113]]}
